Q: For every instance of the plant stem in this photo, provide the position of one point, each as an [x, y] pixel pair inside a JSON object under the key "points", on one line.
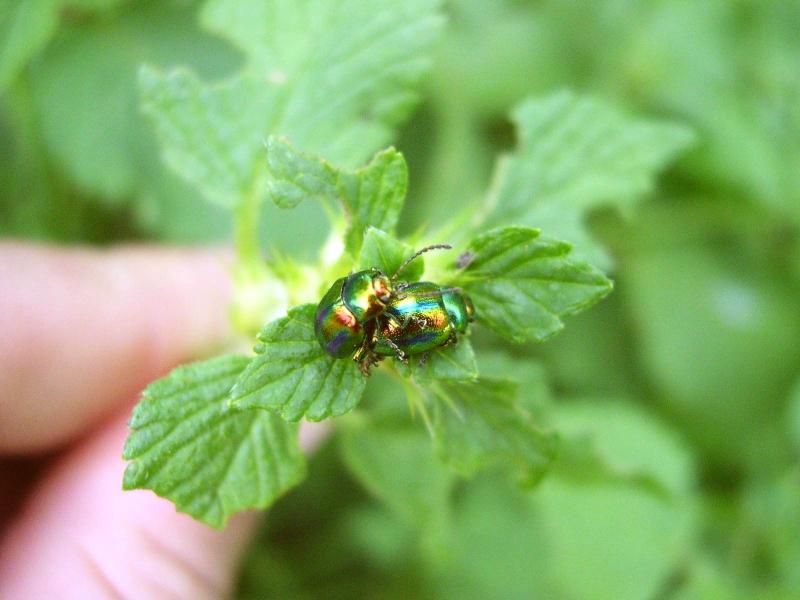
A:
{"points": [[258, 295], [248, 252]]}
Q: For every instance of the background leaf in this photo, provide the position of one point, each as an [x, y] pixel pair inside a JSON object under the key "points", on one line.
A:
{"points": [[104, 147], [25, 28], [479, 423], [574, 155], [674, 290], [212, 135], [349, 67], [188, 446], [416, 487]]}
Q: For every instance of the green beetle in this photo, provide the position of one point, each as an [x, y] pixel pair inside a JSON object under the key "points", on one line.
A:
{"points": [[350, 304], [345, 319], [422, 317]]}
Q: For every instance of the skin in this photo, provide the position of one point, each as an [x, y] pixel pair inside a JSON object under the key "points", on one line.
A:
{"points": [[82, 333]]}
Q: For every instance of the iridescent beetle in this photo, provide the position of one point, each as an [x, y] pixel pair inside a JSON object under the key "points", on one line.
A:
{"points": [[422, 317], [366, 316]]}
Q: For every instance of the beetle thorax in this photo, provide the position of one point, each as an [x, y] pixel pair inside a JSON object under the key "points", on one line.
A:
{"points": [[365, 293]]}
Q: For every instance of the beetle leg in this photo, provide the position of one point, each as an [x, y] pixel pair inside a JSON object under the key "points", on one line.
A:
{"points": [[401, 356], [453, 339], [364, 356], [423, 359], [366, 363]]}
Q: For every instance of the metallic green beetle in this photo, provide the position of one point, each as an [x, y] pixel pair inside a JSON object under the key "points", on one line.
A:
{"points": [[344, 322], [350, 304], [423, 317]]}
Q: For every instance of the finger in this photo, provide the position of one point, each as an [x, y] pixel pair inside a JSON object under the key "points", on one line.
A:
{"points": [[82, 537], [84, 330]]}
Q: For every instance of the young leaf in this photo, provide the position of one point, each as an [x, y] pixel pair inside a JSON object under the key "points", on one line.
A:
{"points": [[338, 80], [188, 446], [371, 196], [383, 251], [576, 154], [375, 196], [478, 423], [293, 376], [296, 176], [522, 284]]}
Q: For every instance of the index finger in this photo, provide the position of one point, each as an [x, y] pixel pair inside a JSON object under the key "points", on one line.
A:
{"points": [[82, 331]]}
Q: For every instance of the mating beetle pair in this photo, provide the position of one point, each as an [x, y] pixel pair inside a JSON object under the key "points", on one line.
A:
{"points": [[368, 316]]}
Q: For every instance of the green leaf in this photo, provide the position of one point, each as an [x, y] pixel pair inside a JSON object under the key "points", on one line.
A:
{"points": [[451, 363], [348, 67], [522, 284], [188, 446], [750, 324], [374, 196], [576, 154], [25, 28], [383, 251], [530, 376], [93, 5], [615, 519], [794, 415], [296, 176], [211, 136], [293, 376], [769, 519], [398, 467], [338, 80], [106, 148], [601, 442], [750, 124], [532, 542], [479, 423], [371, 196]]}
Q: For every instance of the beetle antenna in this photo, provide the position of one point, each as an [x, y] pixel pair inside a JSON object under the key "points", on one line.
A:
{"points": [[417, 254], [440, 292]]}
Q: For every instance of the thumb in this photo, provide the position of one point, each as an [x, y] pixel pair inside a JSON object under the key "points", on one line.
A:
{"points": [[82, 537]]}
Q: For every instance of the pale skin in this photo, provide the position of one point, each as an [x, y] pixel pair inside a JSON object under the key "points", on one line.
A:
{"points": [[81, 333]]}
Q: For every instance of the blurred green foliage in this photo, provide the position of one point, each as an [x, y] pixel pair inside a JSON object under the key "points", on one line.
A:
{"points": [[682, 391]]}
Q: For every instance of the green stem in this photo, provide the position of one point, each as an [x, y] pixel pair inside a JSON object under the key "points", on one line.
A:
{"points": [[257, 296], [248, 251]]}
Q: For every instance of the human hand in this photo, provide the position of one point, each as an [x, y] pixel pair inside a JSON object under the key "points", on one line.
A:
{"points": [[81, 333]]}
